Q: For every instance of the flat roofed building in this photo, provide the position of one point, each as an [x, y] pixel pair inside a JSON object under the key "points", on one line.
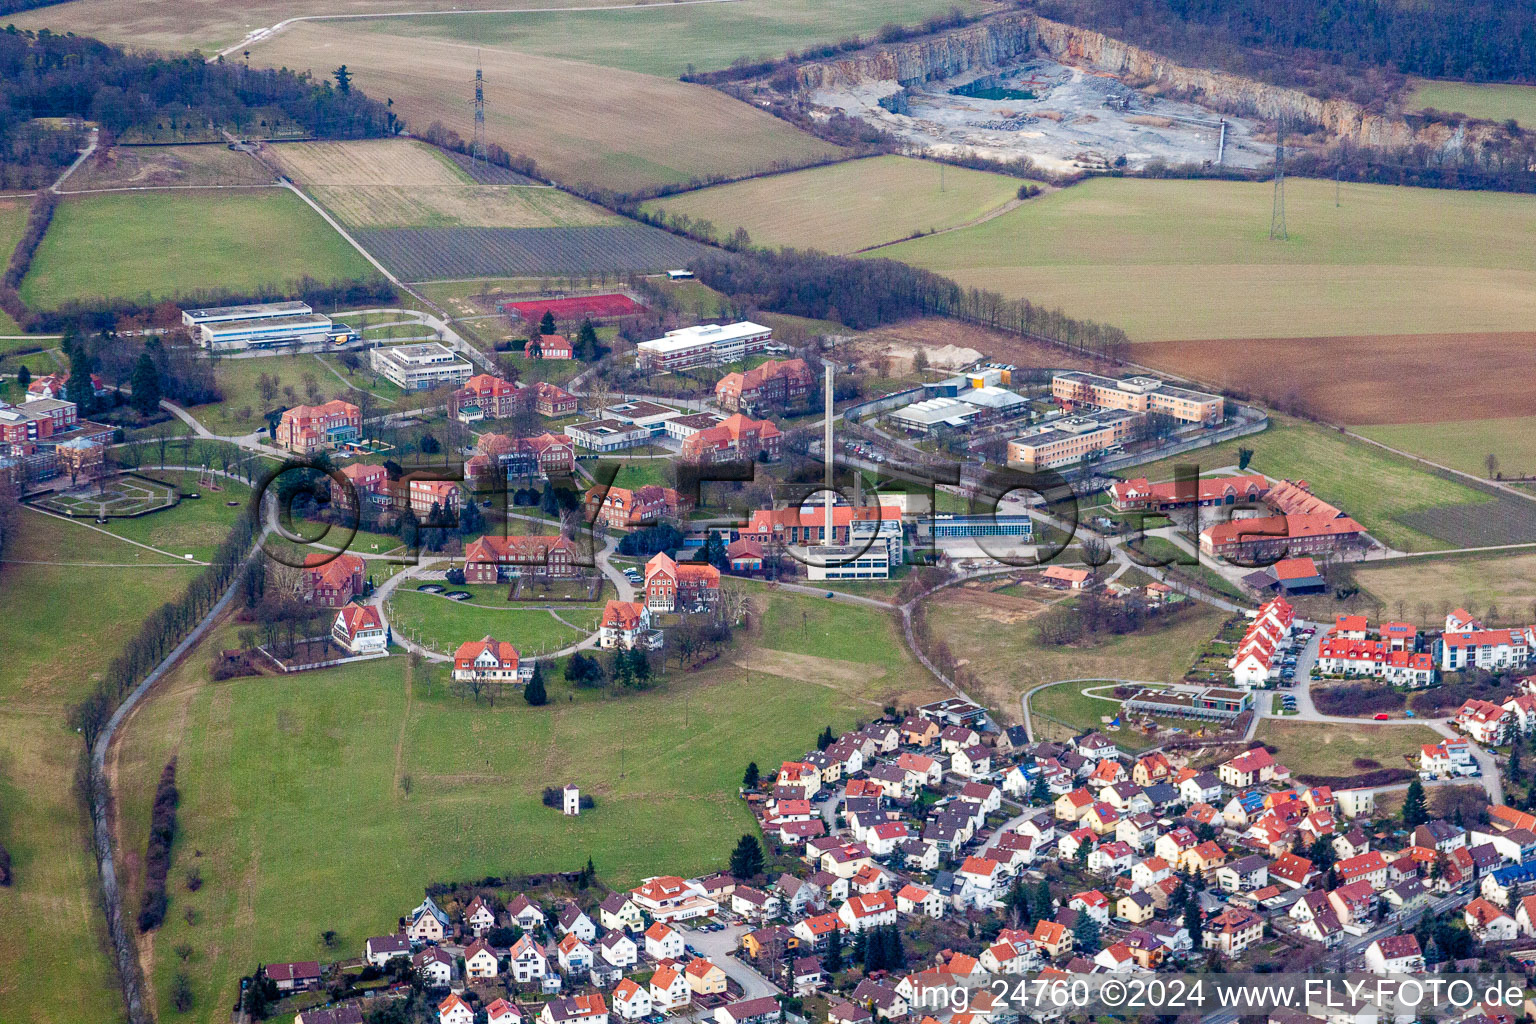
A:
{"points": [[703, 345], [931, 413], [941, 527], [1137, 394], [1069, 441], [1208, 702], [265, 332], [249, 311], [607, 435], [421, 367], [848, 562]]}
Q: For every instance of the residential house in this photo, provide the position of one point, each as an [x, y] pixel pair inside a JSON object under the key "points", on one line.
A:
{"points": [[663, 943], [526, 962], [631, 1001], [704, 977], [480, 960], [487, 661], [381, 949], [619, 912], [618, 949], [453, 1010], [582, 1009], [359, 629], [478, 917], [576, 957], [1232, 931], [669, 987], [434, 967], [1395, 954], [427, 923], [573, 920], [1488, 923]]}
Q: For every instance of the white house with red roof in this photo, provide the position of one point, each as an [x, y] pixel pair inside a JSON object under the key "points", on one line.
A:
{"points": [[526, 961], [1484, 721], [454, 1010], [1492, 650], [488, 661], [626, 625], [631, 1001], [359, 629], [499, 1011], [1395, 954], [873, 910], [669, 898], [1338, 655]]}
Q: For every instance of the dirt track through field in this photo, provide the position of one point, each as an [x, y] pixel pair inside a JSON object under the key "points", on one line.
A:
{"points": [[1390, 378]]}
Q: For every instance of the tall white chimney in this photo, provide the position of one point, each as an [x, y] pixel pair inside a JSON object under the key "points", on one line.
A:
{"points": [[826, 454]]}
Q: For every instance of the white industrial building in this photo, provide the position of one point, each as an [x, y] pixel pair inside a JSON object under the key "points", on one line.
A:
{"points": [[421, 367], [703, 345], [262, 325], [931, 413], [193, 318]]}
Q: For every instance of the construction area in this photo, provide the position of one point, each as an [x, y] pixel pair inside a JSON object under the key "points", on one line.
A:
{"points": [[1064, 118]]}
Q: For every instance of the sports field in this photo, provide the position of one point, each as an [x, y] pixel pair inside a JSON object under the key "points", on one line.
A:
{"points": [[154, 245], [616, 129], [384, 183], [846, 206], [667, 40], [143, 166], [1180, 260], [1492, 102], [51, 928], [386, 761]]}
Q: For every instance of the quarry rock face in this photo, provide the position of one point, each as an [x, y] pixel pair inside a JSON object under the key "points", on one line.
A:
{"points": [[1011, 38]]}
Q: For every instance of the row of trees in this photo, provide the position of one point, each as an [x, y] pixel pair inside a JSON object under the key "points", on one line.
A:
{"points": [[1094, 614], [868, 293], [157, 860]]}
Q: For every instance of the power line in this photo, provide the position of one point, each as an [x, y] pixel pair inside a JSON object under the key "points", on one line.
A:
{"points": [[477, 145], [1277, 212]]}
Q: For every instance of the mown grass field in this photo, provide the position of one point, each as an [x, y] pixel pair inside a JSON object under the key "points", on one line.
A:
{"points": [[242, 407], [615, 129], [1377, 488], [263, 761], [155, 245], [1466, 444], [1327, 749], [13, 220], [196, 526], [443, 625], [384, 183], [1175, 260], [846, 206], [1494, 102], [1426, 588], [666, 41], [60, 625]]}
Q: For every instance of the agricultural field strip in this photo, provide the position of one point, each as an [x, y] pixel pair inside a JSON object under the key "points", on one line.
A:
{"points": [[423, 254]]}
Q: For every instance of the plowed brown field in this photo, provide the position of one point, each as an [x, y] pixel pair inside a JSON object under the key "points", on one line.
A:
{"points": [[1389, 378]]}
